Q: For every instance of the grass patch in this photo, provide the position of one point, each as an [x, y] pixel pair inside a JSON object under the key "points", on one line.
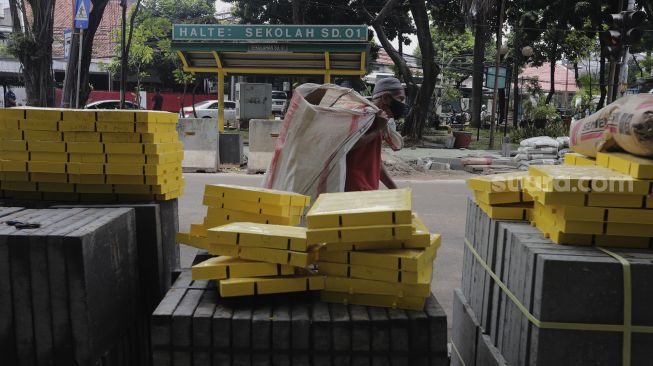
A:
{"points": [[483, 142]]}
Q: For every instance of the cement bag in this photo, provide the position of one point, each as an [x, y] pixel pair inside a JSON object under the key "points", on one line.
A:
{"points": [[627, 124], [542, 156], [537, 150], [540, 141], [322, 124], [563, 141], [563, 152]]}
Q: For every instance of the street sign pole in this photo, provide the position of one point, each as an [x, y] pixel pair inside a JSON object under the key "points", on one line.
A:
{"points": [[67, 37], [79, 66], [81, 22]]}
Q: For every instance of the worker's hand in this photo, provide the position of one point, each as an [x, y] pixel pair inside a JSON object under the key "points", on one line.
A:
{"points": [[381, 121]]}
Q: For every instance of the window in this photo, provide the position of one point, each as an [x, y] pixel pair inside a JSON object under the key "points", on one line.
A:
{"points": [[279, 95]]}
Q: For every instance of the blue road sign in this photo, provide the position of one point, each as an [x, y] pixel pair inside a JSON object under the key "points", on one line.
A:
{"points": [[82, 8]]}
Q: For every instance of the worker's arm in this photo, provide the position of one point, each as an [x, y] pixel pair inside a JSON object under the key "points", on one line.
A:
{"points": [[379, 124], [386, 180]]}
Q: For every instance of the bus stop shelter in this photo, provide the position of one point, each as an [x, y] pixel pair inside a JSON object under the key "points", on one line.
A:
{"points": [[299, 50]]}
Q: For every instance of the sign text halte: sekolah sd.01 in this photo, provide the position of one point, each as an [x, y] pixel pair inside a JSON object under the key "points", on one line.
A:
{"points": [[209, 32]]}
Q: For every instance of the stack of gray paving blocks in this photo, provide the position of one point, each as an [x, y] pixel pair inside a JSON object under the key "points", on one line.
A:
{"points": [[158, 253], [69, 289], [555, 283], [194, 326]]}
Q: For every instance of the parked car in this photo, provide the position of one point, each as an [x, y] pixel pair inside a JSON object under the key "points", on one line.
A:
{"points": [[111, 104], [279, 102], [209, 109]]}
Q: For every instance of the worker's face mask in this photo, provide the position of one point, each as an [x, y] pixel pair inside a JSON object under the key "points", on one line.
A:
{"points": [[397, 108]]}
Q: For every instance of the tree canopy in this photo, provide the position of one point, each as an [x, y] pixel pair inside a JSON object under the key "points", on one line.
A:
{"points": [[151, 55]]}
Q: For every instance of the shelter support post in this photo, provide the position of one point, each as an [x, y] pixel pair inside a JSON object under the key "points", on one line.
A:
{"points": [[327, 68], [220, 100]]}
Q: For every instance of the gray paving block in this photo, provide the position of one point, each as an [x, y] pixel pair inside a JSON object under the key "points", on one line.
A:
{"points": [[281, 336], [487, 354], [102, 280], [169, 211], [419, 331], [157, 252], [437, 325], [241, 328], [380, 331], [56, 276], [161, 326], [321, 340], [556, 283], [202, 332], [262, 327], [300, 326], [400, 332], [7, 339], [41, 290], [465, 331], [182, 327], [360, 332], [26, 322], [340, 321]]}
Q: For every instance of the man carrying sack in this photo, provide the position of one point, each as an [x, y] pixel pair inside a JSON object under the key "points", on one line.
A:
{"points": [[364, 165]]}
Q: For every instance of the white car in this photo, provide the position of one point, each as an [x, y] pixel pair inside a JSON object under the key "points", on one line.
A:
{"points": [[111, 104], [209, 109], [279, 102]]}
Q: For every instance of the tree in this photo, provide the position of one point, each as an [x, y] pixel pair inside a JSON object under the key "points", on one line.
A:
{"points": [[454, 50], [147, 39], [418, 97], [179, 11], [69, 88], [390, 20], [150, 48], [31, 44], [482, 13]]}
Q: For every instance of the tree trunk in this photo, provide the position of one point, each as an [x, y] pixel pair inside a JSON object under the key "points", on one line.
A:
{"points": [[414, 125], [602, 83], [36, 58], [297, 12], [398, 60], [15, 19], [576, 74], [480, 39], [94, 19], [649, 65], [552, 80], [502, 106], [516, 99]]}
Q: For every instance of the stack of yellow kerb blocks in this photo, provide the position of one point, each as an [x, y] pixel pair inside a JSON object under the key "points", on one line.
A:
{"points": [[229, 204], [259, 251], [604, 205], [502, 196], [375, 250], [64, 154]]}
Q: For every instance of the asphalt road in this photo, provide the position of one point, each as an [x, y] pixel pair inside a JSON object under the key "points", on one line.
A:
{"points": [[440, 203]]}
